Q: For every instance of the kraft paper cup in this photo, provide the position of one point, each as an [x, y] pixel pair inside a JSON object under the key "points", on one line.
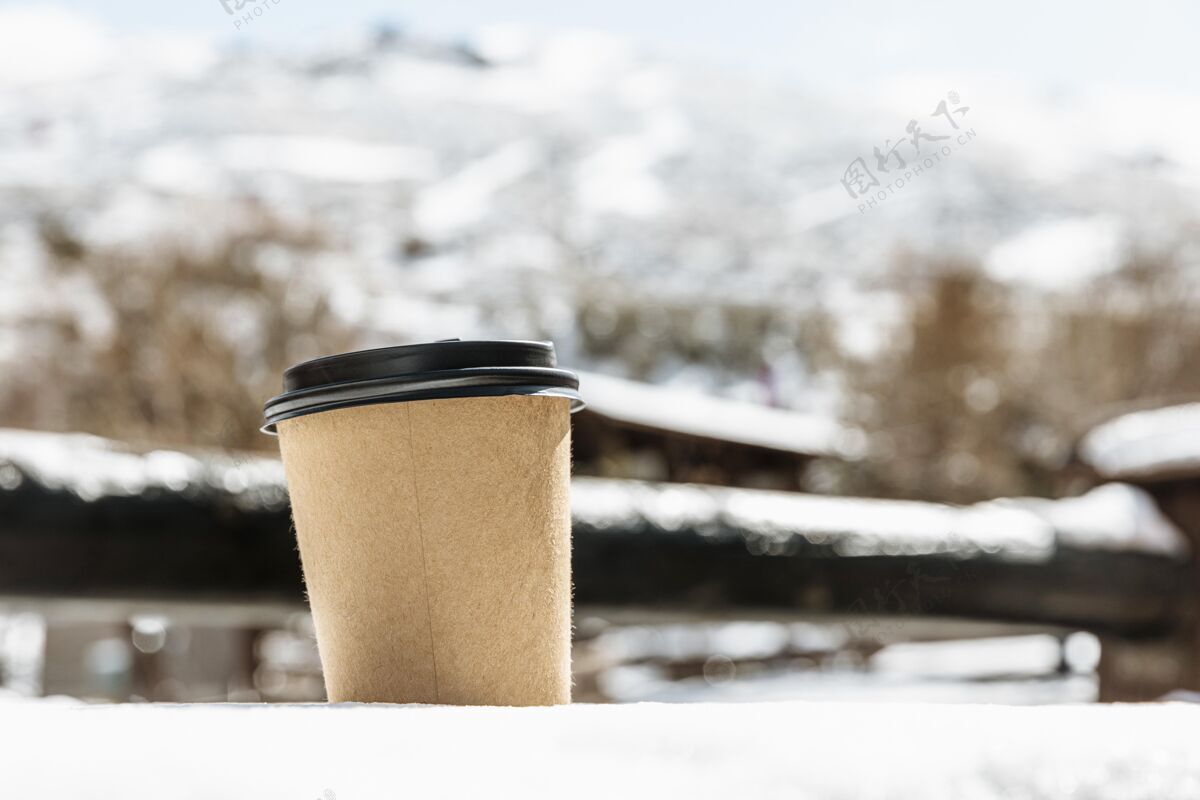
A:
{"points": [[429, 488]]}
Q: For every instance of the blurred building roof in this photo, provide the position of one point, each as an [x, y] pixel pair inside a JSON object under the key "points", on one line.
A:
{"points": [[694, 413], [1159, 443]]}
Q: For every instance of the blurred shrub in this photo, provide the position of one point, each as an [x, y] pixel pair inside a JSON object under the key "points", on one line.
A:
{"points": [[984, 387], [175, 343]]}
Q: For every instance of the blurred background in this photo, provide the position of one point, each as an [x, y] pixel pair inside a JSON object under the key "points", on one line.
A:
{"points": [[886, 317]]}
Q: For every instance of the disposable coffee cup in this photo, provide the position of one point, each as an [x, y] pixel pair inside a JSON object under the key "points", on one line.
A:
{"points": [[429, 487]]}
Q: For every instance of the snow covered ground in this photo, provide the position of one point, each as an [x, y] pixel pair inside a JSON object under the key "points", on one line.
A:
{"points": [[798, 751]]}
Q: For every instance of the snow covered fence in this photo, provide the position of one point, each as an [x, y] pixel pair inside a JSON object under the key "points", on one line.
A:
{"points": [[84, 517], [1114, 517]]}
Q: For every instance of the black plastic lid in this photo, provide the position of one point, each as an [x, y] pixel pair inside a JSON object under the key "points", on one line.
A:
{"points": [[430, 371]]}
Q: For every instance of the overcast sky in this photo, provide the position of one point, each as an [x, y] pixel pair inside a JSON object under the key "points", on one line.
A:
{"points": [[1058, 45]]}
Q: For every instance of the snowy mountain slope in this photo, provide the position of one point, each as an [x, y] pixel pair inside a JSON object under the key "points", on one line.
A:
{"points": [[493, 188]]}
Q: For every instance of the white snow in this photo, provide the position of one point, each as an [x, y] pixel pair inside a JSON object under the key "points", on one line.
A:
{"points": [[1059, 254], [1114, 516], [325, 158], [1011, 669], [80, 47], [646, 684], [179, 168], [819, 206], [797, 751], [1146, 443], [467, 196], [698, 414], [850, 526], [733, 640], [1037, 654], [618, 177], [93, 467], [502, 43]]}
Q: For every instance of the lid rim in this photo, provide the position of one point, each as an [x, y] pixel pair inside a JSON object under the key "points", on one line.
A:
{"points": [[577, 404], [552, 375], [428, 371]]}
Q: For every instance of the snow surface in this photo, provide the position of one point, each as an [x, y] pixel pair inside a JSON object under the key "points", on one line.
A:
{"points": [[1061, 254], [795, 750], [333, 159], [1146, 443], [1114, 516], [644, 683]]}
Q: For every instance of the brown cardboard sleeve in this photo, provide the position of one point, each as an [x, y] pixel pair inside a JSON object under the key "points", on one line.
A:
{"points": [[435, 540]]}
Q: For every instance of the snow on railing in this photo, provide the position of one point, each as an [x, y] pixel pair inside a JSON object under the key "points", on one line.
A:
{"points": [[1112, 517], [777, 523], [92, 467]]}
